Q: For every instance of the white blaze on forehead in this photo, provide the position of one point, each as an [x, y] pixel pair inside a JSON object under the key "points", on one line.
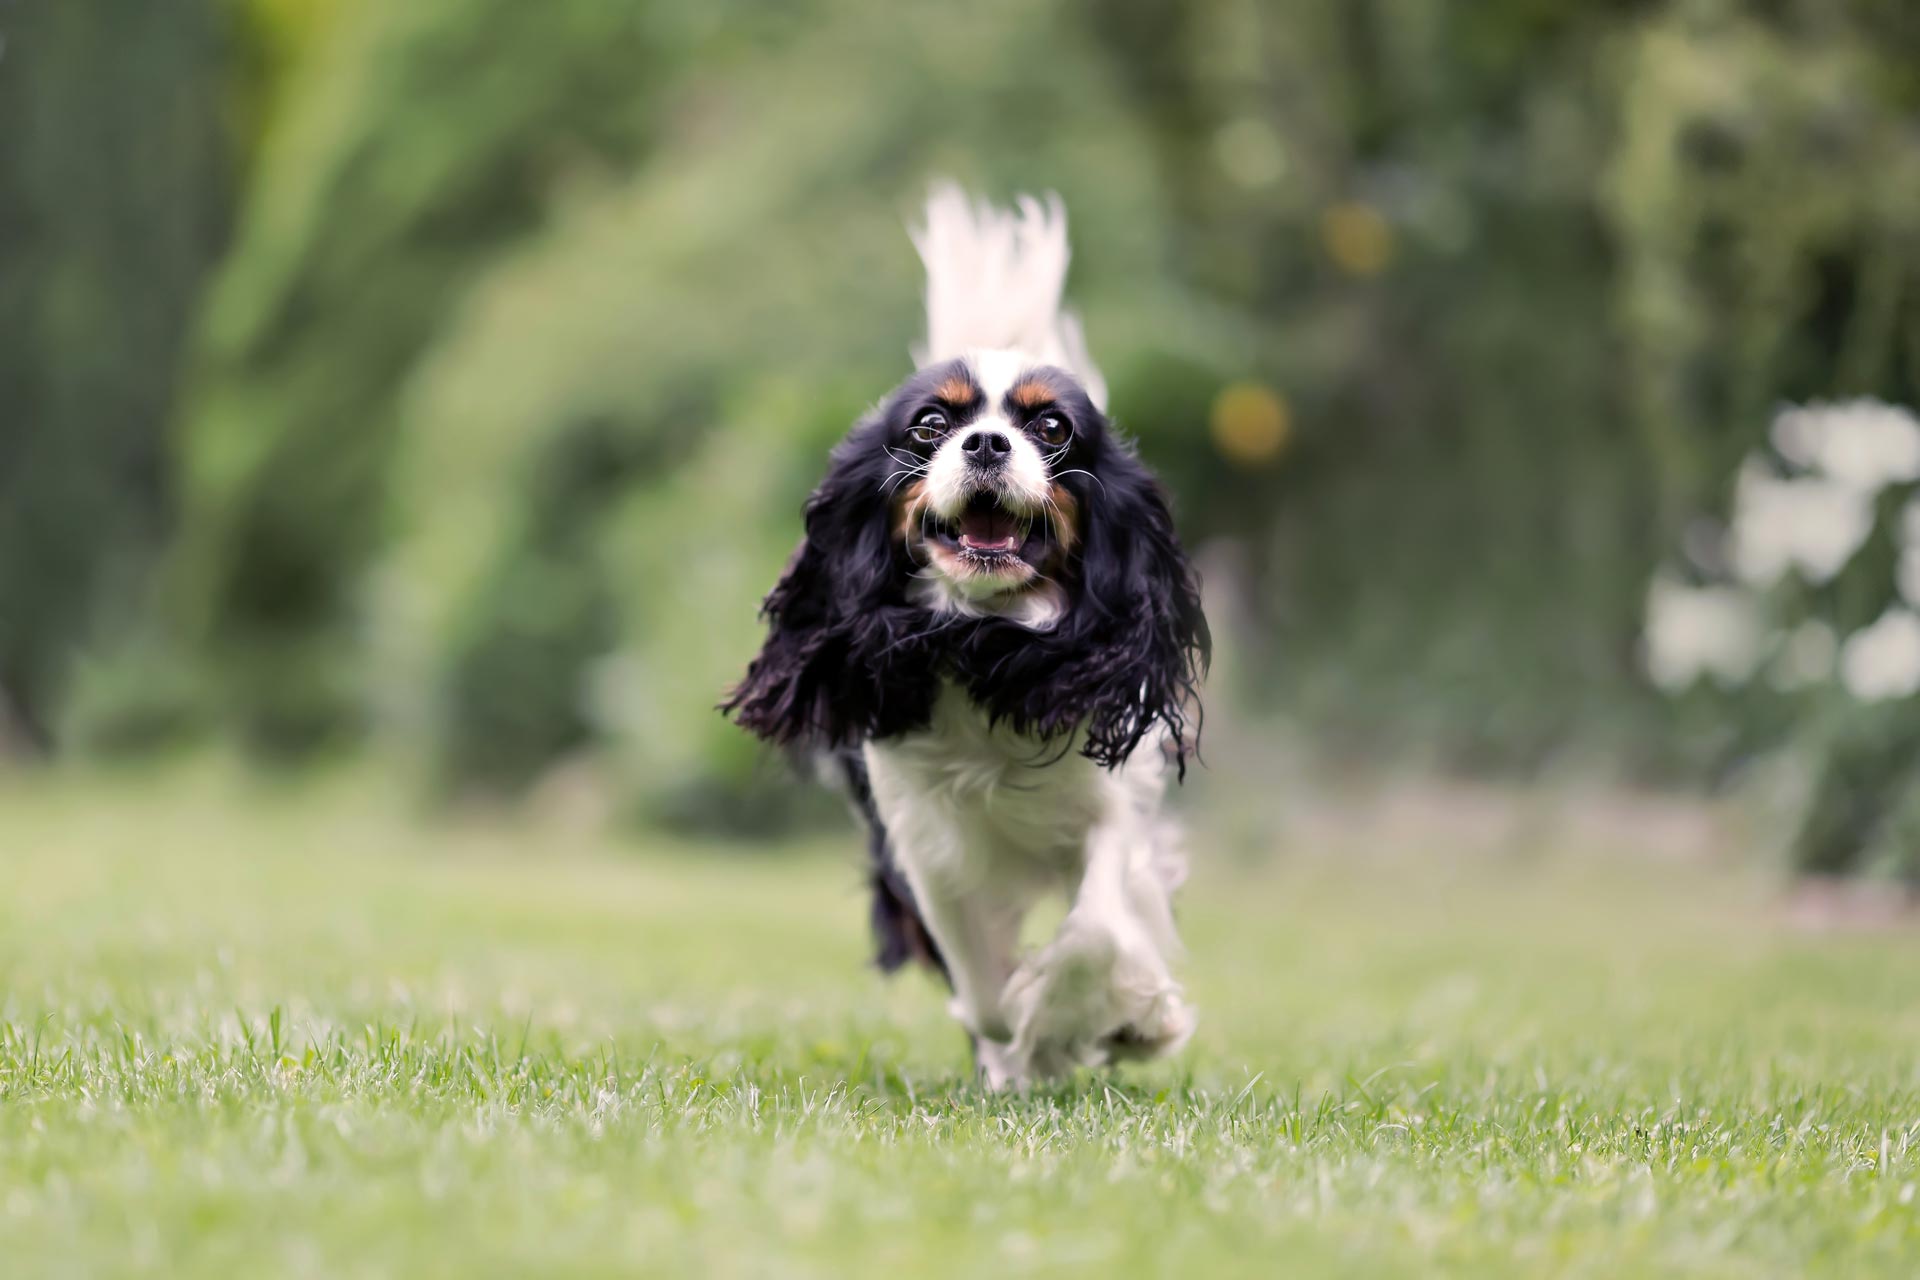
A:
{"points": [[1022, 484], [1882, 660], [996, 370]]}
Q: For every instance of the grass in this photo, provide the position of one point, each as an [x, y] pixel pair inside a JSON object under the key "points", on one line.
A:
{"points": [[305, 1034]]}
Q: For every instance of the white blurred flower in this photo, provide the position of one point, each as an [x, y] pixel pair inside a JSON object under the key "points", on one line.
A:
{"points": [[1883, 660], [1864, 444], [1794, 435], [1811, 524], [1806, 658], [1696, 631]]}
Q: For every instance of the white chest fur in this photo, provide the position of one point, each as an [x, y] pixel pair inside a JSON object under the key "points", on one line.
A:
{"points": [[966, 801]]}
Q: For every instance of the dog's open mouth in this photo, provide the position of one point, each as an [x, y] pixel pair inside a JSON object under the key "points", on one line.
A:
{"points": [[985, 530]]}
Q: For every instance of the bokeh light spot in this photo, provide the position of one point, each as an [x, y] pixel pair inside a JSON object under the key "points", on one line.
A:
{"points": [[1251, 423], [1358, 238]]}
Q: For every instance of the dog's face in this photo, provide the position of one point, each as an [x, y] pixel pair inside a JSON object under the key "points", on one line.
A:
{"points": [[984, 526], [980, 453]]}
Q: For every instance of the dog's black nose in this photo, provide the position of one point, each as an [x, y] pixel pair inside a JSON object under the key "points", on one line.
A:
{"points": [[989, 447]]}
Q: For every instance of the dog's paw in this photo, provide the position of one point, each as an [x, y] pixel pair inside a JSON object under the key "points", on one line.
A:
{"points": [[1163, 1026], [1094, 995]]}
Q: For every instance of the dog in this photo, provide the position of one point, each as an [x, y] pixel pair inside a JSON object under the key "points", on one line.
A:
{"points": [[990, 639]]}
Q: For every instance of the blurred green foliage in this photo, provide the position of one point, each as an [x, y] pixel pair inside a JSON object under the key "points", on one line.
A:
{"points": [[538, 320], [114, 200]]}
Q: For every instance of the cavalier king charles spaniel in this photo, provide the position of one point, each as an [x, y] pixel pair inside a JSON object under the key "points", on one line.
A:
{"points": [[990, 639]]}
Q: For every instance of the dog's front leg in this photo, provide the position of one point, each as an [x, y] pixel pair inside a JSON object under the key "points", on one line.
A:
{"points": [[973, 917], [1103, 988], [978, 933]]}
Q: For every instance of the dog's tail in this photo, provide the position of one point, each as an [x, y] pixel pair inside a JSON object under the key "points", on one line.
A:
{"points": [[994, 279]]}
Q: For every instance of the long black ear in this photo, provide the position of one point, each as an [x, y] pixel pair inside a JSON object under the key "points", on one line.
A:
{"points": [[1137, 640], [840, 661]]}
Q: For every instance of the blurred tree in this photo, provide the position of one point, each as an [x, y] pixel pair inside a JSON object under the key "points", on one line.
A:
{"points": [[273, 42], [1401, 191], [113, 203], [1450, 316], [423, 138], [1762, 195]]}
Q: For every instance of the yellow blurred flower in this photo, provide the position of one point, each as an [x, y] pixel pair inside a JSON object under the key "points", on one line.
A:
{"points": [[1251, 423], [1358, 238]]}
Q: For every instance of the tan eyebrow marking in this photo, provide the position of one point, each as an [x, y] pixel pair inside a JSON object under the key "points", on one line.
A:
{"points": [[955, 389], [1031, 393]]}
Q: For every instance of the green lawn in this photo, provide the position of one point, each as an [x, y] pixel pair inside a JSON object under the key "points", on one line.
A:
{"points": [[249, 1034]]}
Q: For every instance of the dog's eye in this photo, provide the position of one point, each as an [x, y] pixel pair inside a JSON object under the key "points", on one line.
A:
{"points": [[1053, 430], [928, 426]]}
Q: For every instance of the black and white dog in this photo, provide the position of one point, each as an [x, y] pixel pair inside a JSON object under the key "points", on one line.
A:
{"points": [[991, 636]]}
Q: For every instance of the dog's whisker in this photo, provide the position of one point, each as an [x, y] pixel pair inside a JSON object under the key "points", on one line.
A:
{"points": [[895, 477], [1079, 472]]}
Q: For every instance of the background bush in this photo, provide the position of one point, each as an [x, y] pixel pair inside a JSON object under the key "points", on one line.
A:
{"points": [[493, 420]]}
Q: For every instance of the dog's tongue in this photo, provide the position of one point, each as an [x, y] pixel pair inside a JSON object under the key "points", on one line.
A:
{"points": [[988, 527]]}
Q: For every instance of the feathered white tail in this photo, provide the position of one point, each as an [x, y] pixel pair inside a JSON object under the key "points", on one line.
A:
{"points": [[994, 280]]}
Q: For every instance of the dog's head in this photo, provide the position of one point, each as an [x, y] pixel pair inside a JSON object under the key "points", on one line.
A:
{"points": [[985, 525], [982, 451]]}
